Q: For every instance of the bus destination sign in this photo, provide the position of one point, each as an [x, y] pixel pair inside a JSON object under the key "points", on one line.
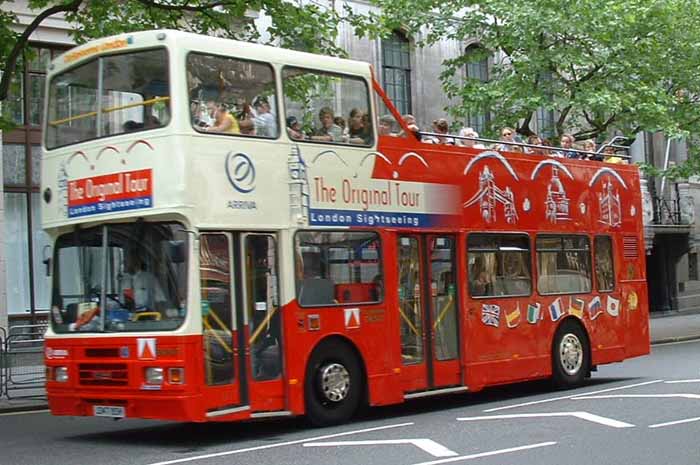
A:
{"points": [[108, 193]]}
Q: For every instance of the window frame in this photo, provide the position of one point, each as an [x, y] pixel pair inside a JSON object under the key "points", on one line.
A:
{"points": [[390, 42], [297, 263], [275, 77], [355, 77], [98, 106], [562, 249], [497, 251], [612, 262]]}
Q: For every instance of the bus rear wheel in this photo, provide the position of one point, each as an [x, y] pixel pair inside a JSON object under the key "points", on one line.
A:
{"points": [[570, 355], [334, 385]]}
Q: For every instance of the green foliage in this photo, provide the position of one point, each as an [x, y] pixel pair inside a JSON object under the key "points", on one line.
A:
{"points": [[602, 65], [293, 25]]}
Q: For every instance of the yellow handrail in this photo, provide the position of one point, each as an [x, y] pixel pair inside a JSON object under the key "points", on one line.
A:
{"points": [[109, 110]]}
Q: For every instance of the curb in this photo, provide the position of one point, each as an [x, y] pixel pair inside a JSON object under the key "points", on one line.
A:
{"points": [[24, 408], [667, 340]]}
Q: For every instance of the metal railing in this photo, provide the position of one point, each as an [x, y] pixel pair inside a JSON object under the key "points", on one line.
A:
{"points": [[22, 370]]}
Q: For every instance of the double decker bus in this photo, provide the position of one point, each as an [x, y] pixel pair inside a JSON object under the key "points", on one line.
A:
{"points": [[224, 250]]}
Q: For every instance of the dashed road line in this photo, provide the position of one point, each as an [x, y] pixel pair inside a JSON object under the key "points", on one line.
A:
{"points": [[279, 444], [678, 381], [428, 445], [27, 412], [536, 402], [582, 415], [488, 454], [639, 396], [677, 422]]}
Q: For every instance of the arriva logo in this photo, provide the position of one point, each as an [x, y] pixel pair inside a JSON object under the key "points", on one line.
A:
{"points": [[241, 172]]}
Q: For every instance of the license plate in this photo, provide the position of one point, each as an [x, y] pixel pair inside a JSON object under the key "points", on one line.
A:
{"points": [[108, 411]]}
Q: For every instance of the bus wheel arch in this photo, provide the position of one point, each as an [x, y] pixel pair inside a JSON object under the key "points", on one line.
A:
{"points": [[571, 353], [335, 384]]}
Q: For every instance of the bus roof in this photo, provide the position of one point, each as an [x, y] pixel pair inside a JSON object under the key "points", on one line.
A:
{"points": [[196, 42]]}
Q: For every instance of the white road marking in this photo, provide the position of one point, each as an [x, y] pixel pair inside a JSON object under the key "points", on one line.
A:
{"points": [[582, 415], [30, 412], [279, 444], [691, 341], [428, 445], [682, 381], [639, 396], [488, 454], [525, 404], [677, 422]]}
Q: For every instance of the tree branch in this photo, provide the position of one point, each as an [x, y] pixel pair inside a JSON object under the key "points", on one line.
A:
{"points": [[11, 62]]}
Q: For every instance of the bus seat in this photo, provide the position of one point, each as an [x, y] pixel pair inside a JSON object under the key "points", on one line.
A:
{"points": [[317, 291]]}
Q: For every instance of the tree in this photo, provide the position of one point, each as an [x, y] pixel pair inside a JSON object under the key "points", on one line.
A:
{"points": [[601, 65], [293, 25]]}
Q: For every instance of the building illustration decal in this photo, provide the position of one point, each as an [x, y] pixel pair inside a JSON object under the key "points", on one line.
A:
{"points": [[609, 205], [298, 187], [490, 195], [557, 203]]}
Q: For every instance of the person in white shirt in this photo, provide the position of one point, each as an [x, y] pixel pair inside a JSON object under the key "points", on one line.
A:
{"points": [[141, 289]]}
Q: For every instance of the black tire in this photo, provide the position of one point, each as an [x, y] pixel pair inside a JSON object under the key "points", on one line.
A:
{"points": [[334, 384], [570, 355]]}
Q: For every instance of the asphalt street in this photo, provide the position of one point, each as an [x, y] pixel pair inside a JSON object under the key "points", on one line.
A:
{"points": [[642, 411]]}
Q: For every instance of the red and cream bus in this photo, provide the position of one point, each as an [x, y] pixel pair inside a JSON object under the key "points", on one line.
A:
{"points": [[223, 249]]}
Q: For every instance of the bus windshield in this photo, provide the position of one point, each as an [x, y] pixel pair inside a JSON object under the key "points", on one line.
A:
{"points": [[107, 96], [136, 272]]}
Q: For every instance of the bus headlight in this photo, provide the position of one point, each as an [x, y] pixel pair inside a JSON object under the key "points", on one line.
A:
{"points": [[60, 374], [154, 375]]}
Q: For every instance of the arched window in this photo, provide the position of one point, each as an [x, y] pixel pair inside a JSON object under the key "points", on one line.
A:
{"points": [[477, 68], [396, 71]]}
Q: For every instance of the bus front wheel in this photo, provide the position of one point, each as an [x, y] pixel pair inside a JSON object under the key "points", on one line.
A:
{"points": [[570, 355], [333, 387]]}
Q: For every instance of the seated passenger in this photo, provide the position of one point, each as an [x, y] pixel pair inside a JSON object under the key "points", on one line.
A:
{"points": [[329, 131], [131, 126], [224, 121], [410, 121], [609, 156], [534, 139], [386, 123], [259, 120], [481, 286], [358, 132], [507, 136], [589, 146], [567, 144], [294, 128], [471, 134]]}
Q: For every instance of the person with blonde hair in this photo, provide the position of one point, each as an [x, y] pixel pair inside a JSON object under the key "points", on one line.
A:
{"points": [[470, 141], [507, 136]]}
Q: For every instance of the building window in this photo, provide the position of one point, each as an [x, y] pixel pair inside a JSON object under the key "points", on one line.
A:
{"points": [[546, 122], [477, 69], [24, 241], [396, 71]]}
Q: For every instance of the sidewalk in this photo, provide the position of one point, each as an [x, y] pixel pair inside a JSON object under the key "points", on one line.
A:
{"points": [[664, 328]]}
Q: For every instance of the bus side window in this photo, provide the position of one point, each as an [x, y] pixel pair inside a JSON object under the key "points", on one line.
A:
{"points": [[563, 264], [327, 108]]}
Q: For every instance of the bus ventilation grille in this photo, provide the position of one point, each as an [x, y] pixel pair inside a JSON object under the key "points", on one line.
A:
{"points": [[111, 352], [103, 374], [630, 247]]}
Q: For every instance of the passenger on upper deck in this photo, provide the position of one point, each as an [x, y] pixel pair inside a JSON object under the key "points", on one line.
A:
{"points": [[441, 127], [534, 139], [507, 135], [386, 122], [223, 120], [471, 134], [259, 120], [294, 128], [358, 130], [567, 143], [328, 132], [610, 156], [410, 121], [589, 146]]}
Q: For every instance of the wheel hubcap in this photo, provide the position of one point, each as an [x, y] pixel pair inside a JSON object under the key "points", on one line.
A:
{"points": [[571, 354], [335, 382]]}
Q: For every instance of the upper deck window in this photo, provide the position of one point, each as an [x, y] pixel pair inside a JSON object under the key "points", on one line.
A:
{"points": [[324, 107], [232, 96], [108, 96]]}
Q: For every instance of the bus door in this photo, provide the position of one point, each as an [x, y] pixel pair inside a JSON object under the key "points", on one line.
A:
{"points": [[240, 323], [428, 311], [220, 326]]}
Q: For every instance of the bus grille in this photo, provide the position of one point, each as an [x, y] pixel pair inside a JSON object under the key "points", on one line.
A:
{"points": [[103, 374]]}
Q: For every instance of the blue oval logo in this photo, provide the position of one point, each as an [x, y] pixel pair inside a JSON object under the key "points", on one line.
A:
{"points": [[241, 172]]}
